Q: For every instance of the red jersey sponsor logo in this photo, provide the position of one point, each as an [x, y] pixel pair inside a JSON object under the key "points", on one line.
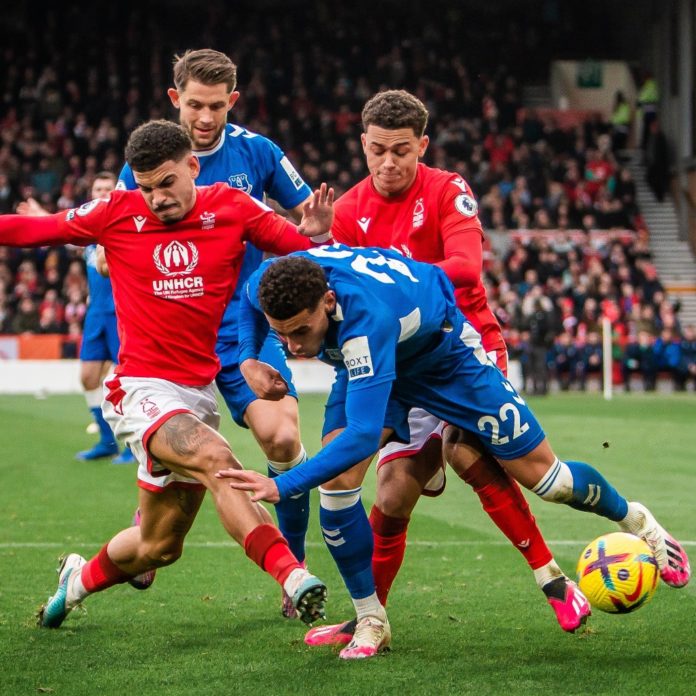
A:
{"points": [[177, 261]]}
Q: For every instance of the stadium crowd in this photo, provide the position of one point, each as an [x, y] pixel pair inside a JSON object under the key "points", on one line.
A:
{"points": [[66, 109]]}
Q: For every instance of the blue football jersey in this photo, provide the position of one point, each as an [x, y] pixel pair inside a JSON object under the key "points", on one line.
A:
{"points": [[397, 340], [256, 165], [390, 310], [101, 298]]}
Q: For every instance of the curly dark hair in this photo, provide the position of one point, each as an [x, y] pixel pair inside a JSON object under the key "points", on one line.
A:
{"points": [[290, 285], [395, 108], [156, 142]]}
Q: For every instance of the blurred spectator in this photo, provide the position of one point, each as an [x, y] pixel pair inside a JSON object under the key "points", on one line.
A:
{"points": [[26, 320], [590, 360], [648, 100], [620, 122], [668, 357], [564, 359], [539, 323], [48, 321], [639, 359]]}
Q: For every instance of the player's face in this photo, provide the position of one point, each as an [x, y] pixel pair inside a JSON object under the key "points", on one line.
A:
{"points": [[304, 333], [102, 188], [392, 157], [169, 190], [203, 111]]}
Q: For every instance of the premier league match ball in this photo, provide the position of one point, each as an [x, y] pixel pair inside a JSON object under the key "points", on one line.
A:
{"points": [[618, 573]]}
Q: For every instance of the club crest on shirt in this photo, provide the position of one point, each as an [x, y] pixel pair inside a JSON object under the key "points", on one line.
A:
{"points": [[418, 214], [177, 261], [334, 354], [207, 220], [240, 181]]}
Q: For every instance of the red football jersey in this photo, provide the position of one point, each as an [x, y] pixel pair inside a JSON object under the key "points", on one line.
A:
{"points": [[435, 221], [172, 282]]}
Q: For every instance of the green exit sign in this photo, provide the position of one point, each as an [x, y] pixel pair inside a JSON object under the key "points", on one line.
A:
{"points": [[589, 74]]}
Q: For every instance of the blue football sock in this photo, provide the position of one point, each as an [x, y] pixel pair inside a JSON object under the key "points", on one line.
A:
{"points": [[591, 492], [348, 535], [105, 434], [293, 518]]}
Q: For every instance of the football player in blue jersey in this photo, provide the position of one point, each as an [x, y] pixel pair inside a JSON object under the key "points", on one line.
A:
{"points": [[99, 335], [204, 92], [391, 328]]}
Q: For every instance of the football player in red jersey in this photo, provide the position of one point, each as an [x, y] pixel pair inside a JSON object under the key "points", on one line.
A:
{"points": [[174, 253], [430, 215]]}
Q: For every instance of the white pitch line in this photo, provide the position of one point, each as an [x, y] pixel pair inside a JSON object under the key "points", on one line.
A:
{"points": [[312, 544]]}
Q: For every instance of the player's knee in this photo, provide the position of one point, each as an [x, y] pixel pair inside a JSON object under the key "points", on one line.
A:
{"points": [[398, 490], [163, 552], [282, 445]]}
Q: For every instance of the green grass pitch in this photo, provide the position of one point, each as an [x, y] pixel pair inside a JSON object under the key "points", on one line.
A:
{"points": [[466, 615]]}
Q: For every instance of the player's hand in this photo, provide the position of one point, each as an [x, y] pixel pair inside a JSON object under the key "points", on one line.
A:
{"points": [[31, 207], [317, 213], [102, 266], [264, 380], [261, 487]]}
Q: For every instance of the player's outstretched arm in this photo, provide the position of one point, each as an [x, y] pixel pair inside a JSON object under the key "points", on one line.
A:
{"points": [[261, 487], [365, 411], [30, 231], [318, 214]]}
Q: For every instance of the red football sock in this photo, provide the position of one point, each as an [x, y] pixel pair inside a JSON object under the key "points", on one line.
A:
{"points": [[505, 504], [101, 572], [389, 534], [267, 547]]}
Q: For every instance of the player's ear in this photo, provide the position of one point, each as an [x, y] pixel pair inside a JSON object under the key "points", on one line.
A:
{"points": [[233, 99], [330, 301], [174, 97], [194, 166], [423, 145], [363, 140]]}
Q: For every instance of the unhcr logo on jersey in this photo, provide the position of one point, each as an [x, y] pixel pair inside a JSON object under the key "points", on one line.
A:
{"points": [[177, 261]]}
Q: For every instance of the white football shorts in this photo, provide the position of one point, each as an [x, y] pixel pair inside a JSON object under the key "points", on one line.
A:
{"points": [[135, 407]]}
